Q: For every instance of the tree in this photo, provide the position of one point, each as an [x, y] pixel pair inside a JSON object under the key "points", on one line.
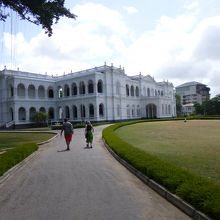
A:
{"points": [[178, 105], [40, 118], [208, 107], [39, 12], [216, 104], [198, 109]]}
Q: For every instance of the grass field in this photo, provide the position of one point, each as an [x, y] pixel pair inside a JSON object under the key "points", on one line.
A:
{"points": [[194, 145], [8, 140]]}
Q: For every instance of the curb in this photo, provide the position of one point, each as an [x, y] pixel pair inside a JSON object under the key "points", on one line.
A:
{"points": [[172, 198], [45, 142], [21, 164]]}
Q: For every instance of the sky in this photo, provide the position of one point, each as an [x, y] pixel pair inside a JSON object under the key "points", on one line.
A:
{"points": [[174, 40]]}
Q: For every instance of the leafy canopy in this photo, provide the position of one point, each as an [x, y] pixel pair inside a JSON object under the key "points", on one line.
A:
{"points": [[208, 107], [39, 12]]}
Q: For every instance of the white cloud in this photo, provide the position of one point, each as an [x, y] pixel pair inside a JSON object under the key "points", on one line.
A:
{"points": [[192, 5], [130, 9], [197, 57], [178, 48], [88, 41]]}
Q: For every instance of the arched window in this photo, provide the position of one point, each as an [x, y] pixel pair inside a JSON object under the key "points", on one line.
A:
{"points": [[66, 90], [148, 91], [42, 109], [91, 111], [83, 111], [161, 93], [90, 87], [60, 91], [41, 92], [101, 110], [32, 112], [158, 92], [137, 91], [51, 113], [82, 89], [155, 92], [132, 90], [151, 111], [11, 114], [127, 89], [138, 111], [31, 91], [128, 111], [74, 89], [50, 92], [21, 90], [67, 112], [74, 112], [100, 86], [133, 111], [21, 114]]}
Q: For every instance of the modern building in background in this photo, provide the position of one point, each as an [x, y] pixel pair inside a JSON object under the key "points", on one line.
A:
{"points": [[102, 93], [190, 93]]}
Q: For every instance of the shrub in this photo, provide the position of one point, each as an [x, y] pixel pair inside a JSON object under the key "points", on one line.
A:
{"points": [[199, 192]]}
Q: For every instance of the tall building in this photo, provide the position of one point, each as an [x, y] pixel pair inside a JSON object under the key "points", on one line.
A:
{"points": [[102, 93], [190, 93]]}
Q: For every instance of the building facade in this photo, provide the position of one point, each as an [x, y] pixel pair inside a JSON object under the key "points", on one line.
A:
{"points": [[102, 93], [190, 93]]}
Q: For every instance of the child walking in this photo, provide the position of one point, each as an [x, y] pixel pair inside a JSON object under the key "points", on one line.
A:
{"points": [[89, 134]]}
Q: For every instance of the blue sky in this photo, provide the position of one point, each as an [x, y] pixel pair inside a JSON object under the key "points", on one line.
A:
{"points": [[174, 40]]}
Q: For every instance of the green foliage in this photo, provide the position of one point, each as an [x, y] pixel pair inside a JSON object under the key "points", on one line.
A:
{"points": [[198, 108], [207, 117], [43, 12], [201, 193], [56, 127], [15, 155], [40, 118], [208, 107], [178, 105]]}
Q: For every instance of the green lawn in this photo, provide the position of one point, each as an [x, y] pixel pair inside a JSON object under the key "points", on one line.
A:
{"points": [[8, 140], [194, 145]]}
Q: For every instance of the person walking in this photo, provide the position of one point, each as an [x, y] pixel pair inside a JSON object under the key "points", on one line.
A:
{"points": [[67, 128], [89, 134]]}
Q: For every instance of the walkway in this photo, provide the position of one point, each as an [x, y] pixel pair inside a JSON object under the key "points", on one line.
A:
{"points": [[80, 184]]}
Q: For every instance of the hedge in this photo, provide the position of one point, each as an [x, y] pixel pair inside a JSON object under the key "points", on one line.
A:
{"points": [[201, 193]]}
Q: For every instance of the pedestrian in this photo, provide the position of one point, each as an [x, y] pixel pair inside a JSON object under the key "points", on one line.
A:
{"points": [[89, 134], [67, 128]]}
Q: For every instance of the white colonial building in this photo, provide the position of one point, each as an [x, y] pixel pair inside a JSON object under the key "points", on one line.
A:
{"points": [[102, 93]]}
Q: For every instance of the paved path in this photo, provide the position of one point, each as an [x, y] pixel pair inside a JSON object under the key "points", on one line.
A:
{"points": [[80, 184]]}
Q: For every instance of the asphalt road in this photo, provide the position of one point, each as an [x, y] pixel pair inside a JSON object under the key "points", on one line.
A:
{"points": [[80, 184]]}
